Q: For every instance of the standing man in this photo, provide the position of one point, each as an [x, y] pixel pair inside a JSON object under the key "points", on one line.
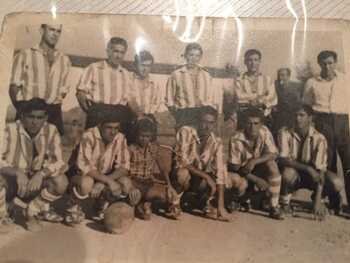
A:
{"points": [[191, 87], [289, 95], [147, 93], [32, 168], [252, 156], [327, 95], [41, 72], [303, 162], [106, 85], [254, 88]]}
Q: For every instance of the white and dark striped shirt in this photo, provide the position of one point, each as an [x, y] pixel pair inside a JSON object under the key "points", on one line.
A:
{"points": [[44, 151], [209, 159], [104, 84], [95, 155], [241, 149], [313, 151], [260, 88], [148, 94], [32, 72], [185, 90]]}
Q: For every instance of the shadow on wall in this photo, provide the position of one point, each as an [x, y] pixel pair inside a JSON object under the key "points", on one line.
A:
{"points": [[53, 244]]}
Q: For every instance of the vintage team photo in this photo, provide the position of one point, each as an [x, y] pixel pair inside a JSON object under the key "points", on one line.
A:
{"points": [[133, 121]]}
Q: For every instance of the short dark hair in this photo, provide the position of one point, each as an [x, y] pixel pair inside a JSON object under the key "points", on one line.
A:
{"points": [[191, 46], [143, 55], [305, 107], [325, 54], [250, 52], [229, 111], [254, 112], [33, 104], [118, 41], [147, 124], [208, 110], [289, 72]]}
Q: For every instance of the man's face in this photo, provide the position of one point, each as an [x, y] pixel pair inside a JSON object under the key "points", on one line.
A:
{"points": [[232, 122], [283, 76], [253, 63], [33, 121], [51, 34], [144, 68], [109, 130], [328, 65], [302, 119], [253, 126], [207, 125], [116, 54], [144, 138], [193, 56]]}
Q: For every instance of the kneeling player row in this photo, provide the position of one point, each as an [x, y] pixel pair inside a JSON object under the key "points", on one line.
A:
{"points": [[192, 174]]}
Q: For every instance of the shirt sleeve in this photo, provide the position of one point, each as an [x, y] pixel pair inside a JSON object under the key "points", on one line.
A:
{"points": [[270, 98], [86, 81], [66, 71], [321, 158], [54, 163], [283, 144], [122, 158], [269, 143], [170, 91], [18, 69], [308, 96], [184, 147], [7, 140], [220, 165], [236, 152], [85, 162]]}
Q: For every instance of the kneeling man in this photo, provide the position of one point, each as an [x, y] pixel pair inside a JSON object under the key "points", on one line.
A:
{"points": [[32, 168]]}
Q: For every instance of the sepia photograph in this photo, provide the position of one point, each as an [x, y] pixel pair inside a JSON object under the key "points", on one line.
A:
{"points": [[132, 138]]}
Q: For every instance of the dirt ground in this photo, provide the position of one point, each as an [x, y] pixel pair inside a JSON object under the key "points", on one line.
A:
{"points": [[250, 237]]}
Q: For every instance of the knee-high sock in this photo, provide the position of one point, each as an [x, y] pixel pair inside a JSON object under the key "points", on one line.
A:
{"points": [[41, 202], [3, 205], [274, 190]]}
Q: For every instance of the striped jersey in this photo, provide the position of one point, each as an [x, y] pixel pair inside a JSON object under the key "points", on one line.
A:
{"points": [[148, 94], [311, 151], [208, 158], [260, 89], [242, 149], [104, 84], [187, 90], [44, 151], [94, 154], [35, 76]]}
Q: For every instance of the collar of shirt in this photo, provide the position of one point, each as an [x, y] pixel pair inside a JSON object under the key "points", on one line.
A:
{"points": [[184, 69], [96, 133], [37, 48], [149, 78], [23, 132], [246, 76], [319, 78], [241, 136], [310, 133], [104, 64]]}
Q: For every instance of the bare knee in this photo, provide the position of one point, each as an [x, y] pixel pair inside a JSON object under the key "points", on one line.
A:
{"points": [[126, 184], [237, 183], [85, 185], [183, 177], [289, 176], [58, 184], [272, 168], [336, 183]]}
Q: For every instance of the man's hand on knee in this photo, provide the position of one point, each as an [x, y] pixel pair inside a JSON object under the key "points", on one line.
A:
{"points": [[36, 181], [97, 189]]}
